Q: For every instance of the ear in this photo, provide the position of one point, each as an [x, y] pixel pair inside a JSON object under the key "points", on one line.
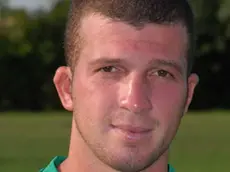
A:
{"points": [[63, 81], [193, 80]]}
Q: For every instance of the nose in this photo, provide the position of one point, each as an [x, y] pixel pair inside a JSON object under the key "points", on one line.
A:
{"points": [[135, 96]]}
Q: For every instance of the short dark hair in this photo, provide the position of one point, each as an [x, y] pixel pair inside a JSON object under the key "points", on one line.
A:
{"points": [[133, 12]]}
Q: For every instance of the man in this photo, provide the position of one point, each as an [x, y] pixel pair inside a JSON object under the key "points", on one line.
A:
{"points": [[128, 83]]}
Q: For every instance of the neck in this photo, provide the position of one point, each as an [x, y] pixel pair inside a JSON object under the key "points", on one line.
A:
{"points": [[81, 158]]}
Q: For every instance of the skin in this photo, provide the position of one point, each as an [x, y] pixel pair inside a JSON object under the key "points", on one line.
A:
{"points": [[128, 93]]}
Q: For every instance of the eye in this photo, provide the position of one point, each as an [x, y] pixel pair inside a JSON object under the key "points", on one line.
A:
{"points": [[108, 69], [163, 73]]}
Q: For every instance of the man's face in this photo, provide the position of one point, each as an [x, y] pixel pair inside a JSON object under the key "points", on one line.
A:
{"points": [[130, 90]]}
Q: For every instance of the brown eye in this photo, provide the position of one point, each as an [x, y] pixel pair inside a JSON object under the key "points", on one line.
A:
{"points": [[162, 73], [108, 69]]}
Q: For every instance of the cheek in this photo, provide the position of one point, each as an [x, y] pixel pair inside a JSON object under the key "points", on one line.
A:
{"points": [[94, 99], [169, 103], [169, 100]]}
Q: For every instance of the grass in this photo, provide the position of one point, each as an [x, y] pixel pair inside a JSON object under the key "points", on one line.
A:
{"points": [[202, 144], [29, 141]]}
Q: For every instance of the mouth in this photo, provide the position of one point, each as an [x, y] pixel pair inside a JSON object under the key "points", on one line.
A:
{"points": [[131, 129], [132, 133]]}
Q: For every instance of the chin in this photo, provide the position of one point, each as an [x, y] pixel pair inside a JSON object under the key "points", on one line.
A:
{"points": [[134, 163], [130, 159]]}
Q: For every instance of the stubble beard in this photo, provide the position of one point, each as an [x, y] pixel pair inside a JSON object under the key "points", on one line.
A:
{"points": [[131, 162]]}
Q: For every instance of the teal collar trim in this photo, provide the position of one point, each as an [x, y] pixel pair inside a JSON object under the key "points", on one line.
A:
{"points": [[52, 166]]}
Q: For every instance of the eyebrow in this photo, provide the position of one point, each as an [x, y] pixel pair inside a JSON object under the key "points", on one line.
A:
{"points": [[106, 61]]}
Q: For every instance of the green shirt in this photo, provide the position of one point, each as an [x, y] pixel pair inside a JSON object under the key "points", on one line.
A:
{"points": [[52, 166]]}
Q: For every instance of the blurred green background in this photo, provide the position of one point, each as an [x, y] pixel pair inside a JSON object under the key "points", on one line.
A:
{"points": [[30, 140], [33, 126]]}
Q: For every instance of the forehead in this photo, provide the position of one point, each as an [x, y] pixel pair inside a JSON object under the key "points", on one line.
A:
{"points": [[99, 31], [101, 26]]}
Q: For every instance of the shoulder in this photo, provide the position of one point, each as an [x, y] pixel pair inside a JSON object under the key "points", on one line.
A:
{"points": [[54, 163]]}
